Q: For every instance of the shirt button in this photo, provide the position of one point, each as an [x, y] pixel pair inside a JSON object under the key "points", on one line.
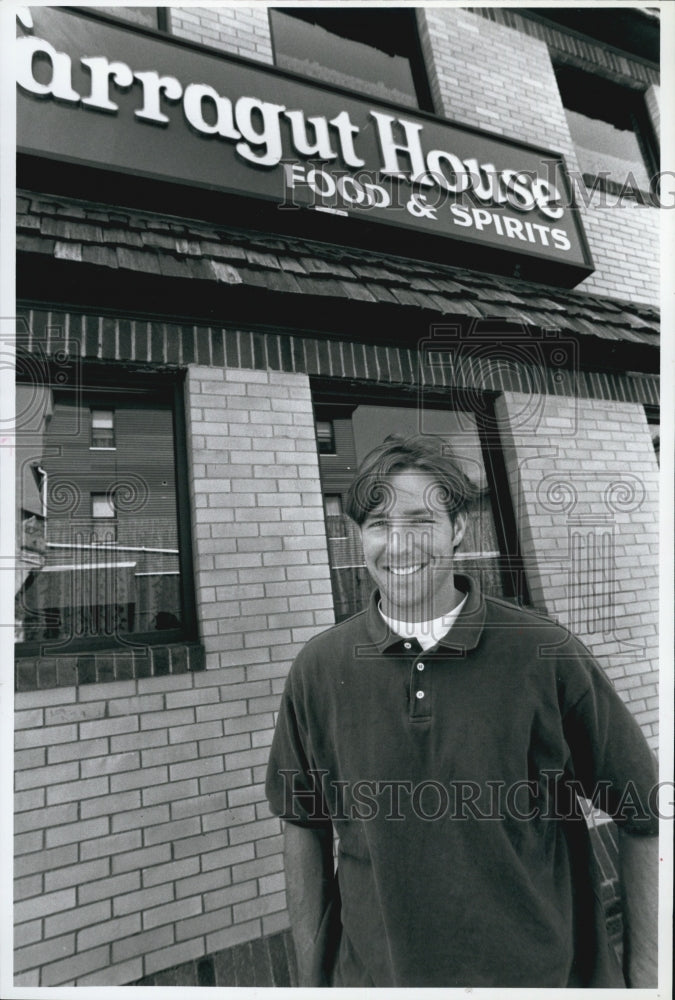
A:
{"points": [[407, 645], [419, 694], [420, 666]]}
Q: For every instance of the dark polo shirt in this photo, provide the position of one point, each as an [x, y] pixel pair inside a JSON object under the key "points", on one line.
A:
{"points": [[451, 777]]}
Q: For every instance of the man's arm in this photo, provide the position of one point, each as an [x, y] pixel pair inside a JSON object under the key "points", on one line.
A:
{"points": [[638, 872], [308, 856]]}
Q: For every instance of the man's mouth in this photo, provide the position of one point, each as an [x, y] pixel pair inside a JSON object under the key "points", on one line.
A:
{"points": [[405, 570]]}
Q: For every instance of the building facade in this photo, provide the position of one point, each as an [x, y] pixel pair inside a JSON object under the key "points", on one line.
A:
{"points": [[251, 243]]}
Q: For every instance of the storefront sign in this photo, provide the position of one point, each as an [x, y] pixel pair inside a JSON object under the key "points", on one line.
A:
{"points": [[94, 93]]}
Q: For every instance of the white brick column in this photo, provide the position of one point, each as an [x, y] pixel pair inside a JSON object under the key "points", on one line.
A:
{"points": [[584, 481], [242, 31], [261, 557]]}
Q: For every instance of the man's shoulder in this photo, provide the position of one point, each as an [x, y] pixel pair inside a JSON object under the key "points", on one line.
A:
{"points": [[535, 625], [336, 640]]}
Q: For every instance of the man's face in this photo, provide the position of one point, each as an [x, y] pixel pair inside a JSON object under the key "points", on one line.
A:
{"points": [[408, 546]]}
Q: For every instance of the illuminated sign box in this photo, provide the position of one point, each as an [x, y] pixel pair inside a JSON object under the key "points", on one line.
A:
{"points": [[103, 95]]}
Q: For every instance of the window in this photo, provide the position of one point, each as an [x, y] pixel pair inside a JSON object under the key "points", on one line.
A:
{"points": [[325, 436], [654, 423], [375, 52], [147, 17], [489, 550], [614, 141], [102, 511], [102, 429], [110, 561]]}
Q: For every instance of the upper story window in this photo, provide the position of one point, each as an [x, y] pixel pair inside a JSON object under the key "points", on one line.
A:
{"points": [[102, 429], [374, 51], [147, 17], [112, 566], [613, 138]]}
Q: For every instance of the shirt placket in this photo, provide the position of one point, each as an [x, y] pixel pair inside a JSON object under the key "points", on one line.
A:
{"points": [[420, 683]]}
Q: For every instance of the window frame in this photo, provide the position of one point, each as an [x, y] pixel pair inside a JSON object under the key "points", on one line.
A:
{"points": [[636, 110], [168, 390], [407, 33], [343, 399]]}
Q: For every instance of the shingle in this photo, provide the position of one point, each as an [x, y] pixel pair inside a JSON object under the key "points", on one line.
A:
{"points": [[68, 251], [173, 267], [224, 272], [355, 290], [34, 244], [262, 259], [291, 264], [222, 251], [101, 256], [319, 286]]}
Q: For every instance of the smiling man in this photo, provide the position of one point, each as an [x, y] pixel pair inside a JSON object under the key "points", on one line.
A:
{"points": [[445, 737]]}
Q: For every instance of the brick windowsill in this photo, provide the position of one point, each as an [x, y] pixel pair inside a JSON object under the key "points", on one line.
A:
{"points": [[36, 673]]}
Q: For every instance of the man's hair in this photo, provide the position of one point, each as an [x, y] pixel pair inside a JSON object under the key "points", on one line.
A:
{"points": [[426, 454]]}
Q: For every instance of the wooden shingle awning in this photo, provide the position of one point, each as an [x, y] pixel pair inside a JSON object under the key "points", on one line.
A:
{"points": [[144, 243]]}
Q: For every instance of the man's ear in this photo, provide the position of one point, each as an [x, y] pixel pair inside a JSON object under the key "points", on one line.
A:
{"points": [[459, 527]]}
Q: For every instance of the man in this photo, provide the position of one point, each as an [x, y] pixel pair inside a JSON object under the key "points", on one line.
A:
{"points": [[443, 736]]}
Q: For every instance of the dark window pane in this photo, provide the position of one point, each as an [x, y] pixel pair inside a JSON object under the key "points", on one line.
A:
{"points": [[324, 53], [478, 554], [107, 562]]}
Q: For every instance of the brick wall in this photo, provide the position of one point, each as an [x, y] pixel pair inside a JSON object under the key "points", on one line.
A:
{"points": [[143, 837], [585, 490], [625, 244], [240, 31], [501, 80]]}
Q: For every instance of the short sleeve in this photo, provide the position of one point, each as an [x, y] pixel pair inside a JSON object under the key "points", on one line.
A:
{"points": [[293, 786], [610, 757]]}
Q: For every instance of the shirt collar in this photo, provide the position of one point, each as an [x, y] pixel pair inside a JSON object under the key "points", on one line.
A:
{"points": [[464, 635]]}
